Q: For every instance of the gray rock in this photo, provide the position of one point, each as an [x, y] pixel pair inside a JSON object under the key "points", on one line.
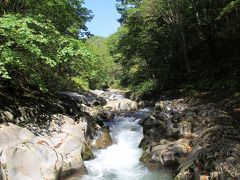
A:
{"points": [[121, 105], [58, 155], [30, 161], [12, 135]]}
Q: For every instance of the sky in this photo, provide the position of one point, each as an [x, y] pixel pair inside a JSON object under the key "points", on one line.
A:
{"points": [[105, 18]]}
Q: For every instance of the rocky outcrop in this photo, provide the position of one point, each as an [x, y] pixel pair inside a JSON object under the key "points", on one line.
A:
{"points": [[196, 141], [50, 138], [58, 154]]}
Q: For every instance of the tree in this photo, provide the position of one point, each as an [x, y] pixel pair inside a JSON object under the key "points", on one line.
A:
{"points": [[40, 45], [179, 42], [68, 16], [105, 71]]}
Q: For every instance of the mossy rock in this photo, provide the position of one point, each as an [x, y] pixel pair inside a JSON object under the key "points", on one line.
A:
{"points": [[144, 144], [87, 154], [145, 156], [104, 140]]}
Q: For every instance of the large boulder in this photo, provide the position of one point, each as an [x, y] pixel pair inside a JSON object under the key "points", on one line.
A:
{"points": [[30, 161], [11, 135], [58, 154], [102, 140], [166, 153], [121, 105], [74, 96], [68, 139]]}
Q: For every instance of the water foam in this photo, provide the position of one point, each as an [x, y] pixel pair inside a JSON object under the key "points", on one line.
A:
{"points": [[121, 160]]}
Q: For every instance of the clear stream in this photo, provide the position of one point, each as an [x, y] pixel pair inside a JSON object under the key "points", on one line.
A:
{"points": [[121, 160]]}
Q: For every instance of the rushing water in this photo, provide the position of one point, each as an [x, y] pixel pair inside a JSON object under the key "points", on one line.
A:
{"points": [[121, 160]]}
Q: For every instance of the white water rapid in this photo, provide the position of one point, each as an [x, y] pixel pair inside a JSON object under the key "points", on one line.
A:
{"points": [[121, 160]]}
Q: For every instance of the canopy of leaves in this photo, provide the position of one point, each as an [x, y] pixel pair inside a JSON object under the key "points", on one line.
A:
{"points": [[108, 71], [68, 16], [172, 43], [36, 50], [40, 46]]}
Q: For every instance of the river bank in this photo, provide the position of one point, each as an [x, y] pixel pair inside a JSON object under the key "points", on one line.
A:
{"points": [[59, 132], [198, 136]]}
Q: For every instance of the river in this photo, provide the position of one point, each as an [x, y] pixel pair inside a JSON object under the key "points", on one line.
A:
{"points": [[121, 160]]}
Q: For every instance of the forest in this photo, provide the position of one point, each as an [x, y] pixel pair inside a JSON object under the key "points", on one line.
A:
{"points": [[178, 44], [161, 45]]}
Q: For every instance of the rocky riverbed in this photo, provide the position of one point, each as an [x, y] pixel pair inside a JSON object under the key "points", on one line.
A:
{"points": [[43, 137], [50, 138], [196, 140]]}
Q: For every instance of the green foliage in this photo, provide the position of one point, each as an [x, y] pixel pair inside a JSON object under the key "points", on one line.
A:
{"points": [[161, 44], [68, 16], [113, 43], [177, 42], [230, 7], [105, 67], [83, 83], [38, 48], [25, 43], [144, 87]]}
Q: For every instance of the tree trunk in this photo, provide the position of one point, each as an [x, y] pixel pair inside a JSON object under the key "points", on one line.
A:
{"points": [[185, 52]]}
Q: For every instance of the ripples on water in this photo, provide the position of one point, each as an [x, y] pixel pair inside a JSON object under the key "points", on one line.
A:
{"points": [[121, 160]]}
